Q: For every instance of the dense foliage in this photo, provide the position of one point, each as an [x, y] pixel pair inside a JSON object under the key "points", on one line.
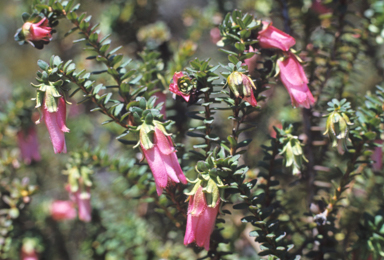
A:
{"points": [[163, 129]]}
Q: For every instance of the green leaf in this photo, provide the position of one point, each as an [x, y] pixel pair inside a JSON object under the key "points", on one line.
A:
{"points": [[25, 17], [240, 206], [109, 95], [69, 5], [43, 65], [115, 50]]}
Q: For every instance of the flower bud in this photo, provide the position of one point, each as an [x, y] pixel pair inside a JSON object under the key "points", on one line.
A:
{"points": [[293, 154], [337, 127], [35, 33], [242, 86]]}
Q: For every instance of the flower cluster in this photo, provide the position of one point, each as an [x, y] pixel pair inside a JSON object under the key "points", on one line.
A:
{"points": [[291, 72]]}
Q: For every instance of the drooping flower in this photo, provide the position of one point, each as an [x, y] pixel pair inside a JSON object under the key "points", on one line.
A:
{"points": [[28, 144], [201, 220], [181, 85], [63, 210], [161, 157], [37, 34], [295, 81], [83, 201], [271, 37], [55, 123], [242, 86]]}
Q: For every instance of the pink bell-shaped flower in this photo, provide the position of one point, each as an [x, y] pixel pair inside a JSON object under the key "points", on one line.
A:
{"points": [[271, 37], [37, 31], [83, 202], [63, 210], [295, 81], [201, 220], [55, 123], [163, 161], [28, 144]]}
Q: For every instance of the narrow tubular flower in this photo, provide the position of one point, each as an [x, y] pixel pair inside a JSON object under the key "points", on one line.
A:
{"points": [[83, 201], [293, 77], [63, 210], [163, 161], [37, 31], [271, 37], [55, 123], [201, 220], [28, 144], [177, 89]]}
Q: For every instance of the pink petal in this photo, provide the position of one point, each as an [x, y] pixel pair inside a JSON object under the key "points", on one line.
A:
{"points": [[175, 89], [84, 206], [55, 133], [203, 230], [251, 100], [63, 210], [293, 77], [163, 142], [177, 75], [177, 168], [28, 144], [61, 115], [190, 230], [155, 161], [197, 203], [271, 37]]}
